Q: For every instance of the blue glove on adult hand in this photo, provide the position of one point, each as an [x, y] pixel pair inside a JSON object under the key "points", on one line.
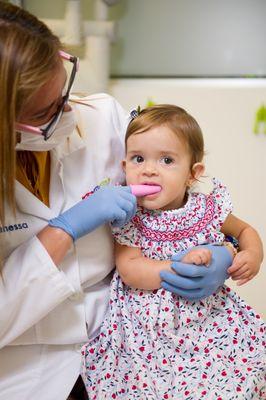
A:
{"points": [[194, 282], [114, 204]]}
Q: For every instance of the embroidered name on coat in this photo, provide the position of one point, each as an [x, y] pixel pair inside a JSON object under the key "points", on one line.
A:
{"points": [[15, 227]]}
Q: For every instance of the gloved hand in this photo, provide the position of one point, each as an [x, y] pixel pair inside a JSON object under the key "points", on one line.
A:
{"points": [[114, 204], [195, 282]]}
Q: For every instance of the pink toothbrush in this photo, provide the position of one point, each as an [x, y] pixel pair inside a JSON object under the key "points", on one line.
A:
{"points": [[144, 190]]}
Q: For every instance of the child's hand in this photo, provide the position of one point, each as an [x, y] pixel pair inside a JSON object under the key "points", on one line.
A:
{"points": [[198, 256], [245, 266]]}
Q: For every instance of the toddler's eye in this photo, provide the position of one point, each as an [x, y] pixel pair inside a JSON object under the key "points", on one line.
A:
{"points": [[167, 160], [137, 159]]}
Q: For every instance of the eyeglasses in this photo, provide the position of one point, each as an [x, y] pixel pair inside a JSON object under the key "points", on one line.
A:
{"points": [[50, 128]]}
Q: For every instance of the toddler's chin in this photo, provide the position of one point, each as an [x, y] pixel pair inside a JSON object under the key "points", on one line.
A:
{"points": [[149, 205]]}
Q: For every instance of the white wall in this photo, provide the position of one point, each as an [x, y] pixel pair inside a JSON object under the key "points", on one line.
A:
{"points": [[180, 37], [225, 110], [190, 38]]}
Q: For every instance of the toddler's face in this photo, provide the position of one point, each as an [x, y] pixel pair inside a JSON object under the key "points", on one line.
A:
{"points": [[159, 157]]}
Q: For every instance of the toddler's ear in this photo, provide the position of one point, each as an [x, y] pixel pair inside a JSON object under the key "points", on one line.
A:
{"points": [[198, 170], [123, 165]]}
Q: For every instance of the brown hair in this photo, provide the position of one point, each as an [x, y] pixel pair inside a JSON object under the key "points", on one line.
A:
{"points": [[176, 119], [28, 55]]}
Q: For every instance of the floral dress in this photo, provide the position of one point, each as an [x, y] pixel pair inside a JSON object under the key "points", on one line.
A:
{"points": [[156, 345]]}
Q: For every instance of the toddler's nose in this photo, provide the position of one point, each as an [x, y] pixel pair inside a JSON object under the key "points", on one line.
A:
{"points": [[150, 168]]}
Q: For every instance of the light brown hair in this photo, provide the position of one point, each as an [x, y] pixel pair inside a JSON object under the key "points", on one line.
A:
{"points": [[28, 55], [177, 120]]}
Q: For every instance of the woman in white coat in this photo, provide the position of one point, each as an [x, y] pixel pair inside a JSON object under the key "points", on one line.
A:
{"points": [[56, 249]]}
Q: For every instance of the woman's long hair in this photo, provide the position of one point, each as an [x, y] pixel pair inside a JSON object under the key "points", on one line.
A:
{"points": [[28, 55]]}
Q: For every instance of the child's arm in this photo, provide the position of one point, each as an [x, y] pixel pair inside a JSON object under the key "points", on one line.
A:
{"points": [[246, 263], [136, 273]]}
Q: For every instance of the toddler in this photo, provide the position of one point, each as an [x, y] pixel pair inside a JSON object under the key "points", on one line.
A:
{"points": [[154, 344]]}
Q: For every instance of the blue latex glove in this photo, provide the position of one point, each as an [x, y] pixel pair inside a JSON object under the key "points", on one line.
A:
{"points": [[194, 282], [114, 204]]}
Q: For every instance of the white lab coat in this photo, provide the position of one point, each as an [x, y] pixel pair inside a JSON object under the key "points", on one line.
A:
{"points": [[47, 313]]}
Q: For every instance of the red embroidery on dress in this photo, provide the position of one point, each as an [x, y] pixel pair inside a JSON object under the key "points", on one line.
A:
{"points": [[182, 233]]}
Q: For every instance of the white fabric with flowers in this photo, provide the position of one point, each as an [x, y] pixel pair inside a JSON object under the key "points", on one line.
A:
{"points": [[155, 345]]}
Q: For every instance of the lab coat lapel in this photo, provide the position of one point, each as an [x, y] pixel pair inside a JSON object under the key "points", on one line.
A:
{"points": [[30, 204], [57, 192]]}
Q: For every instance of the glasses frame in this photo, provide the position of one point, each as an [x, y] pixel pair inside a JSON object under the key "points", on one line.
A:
{"points": [[50, 128]]}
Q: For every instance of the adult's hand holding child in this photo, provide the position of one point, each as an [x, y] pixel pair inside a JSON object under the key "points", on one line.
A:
{"points": [[193, 282]]}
